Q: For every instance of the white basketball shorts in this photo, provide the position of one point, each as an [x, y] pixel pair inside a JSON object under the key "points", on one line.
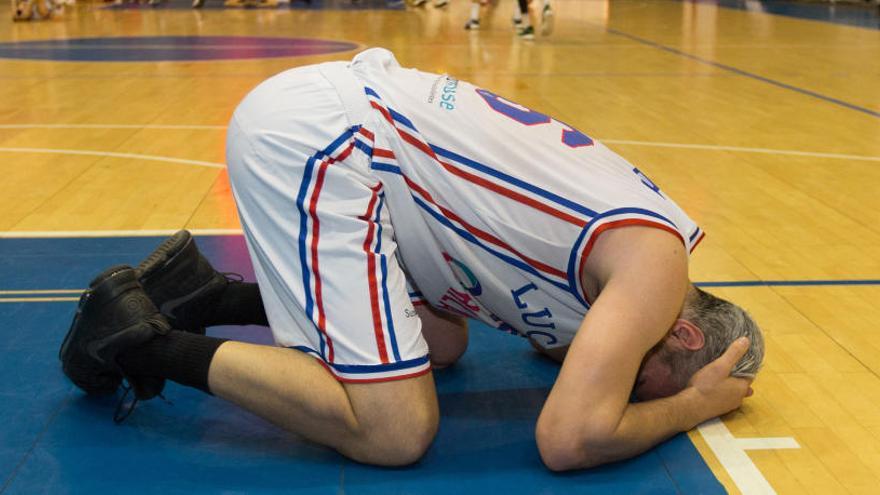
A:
{"points": [[317, 228]]}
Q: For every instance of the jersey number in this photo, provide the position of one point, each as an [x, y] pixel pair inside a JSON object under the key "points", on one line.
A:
{"points": [[571, 137]]}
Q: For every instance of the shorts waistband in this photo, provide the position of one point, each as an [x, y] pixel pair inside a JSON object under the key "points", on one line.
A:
{"points": [[349, 89]]}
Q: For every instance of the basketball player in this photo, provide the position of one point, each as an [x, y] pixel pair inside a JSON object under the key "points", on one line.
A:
{"points": [[521, 20], [382, 207]]}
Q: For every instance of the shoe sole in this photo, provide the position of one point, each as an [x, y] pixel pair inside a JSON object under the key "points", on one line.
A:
{"points": [[163, 254]]}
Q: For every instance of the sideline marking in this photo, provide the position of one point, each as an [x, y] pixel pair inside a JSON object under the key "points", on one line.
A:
{"points": [[28, 292], [113, 126], [767, 443], [732, 455], [53, 234], [114, 155], [786, 283], [36, 299]]}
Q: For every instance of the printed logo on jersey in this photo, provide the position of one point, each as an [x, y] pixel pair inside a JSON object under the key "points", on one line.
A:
{"points": [[537, 320], [447, 98], [443, 91], [464, 275], [647, 182]]}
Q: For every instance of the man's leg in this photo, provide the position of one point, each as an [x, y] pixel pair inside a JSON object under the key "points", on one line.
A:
{"points": [[387, 423]]}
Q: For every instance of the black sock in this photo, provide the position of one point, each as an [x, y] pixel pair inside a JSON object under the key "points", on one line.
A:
{"points": [[178, 356], [238, 303]]}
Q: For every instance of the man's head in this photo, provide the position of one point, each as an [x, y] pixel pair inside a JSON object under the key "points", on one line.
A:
{"points": [[704, 330]]}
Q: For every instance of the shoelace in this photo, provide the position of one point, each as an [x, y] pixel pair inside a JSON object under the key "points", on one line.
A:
{"points": [[119, 415]]}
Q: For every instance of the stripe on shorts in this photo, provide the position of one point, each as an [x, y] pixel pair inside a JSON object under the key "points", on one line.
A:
{"points": [[373, 287], [372, 373], [308, 238]]}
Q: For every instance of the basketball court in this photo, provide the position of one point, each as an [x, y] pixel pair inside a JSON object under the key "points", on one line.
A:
{"points": [[762, 120]]}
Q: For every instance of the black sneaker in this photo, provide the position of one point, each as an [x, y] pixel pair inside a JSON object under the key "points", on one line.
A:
{"points": [[114, 315], [177, 278]]}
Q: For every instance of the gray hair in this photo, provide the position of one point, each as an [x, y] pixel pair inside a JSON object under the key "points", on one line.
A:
{"points": [[722, 322]]}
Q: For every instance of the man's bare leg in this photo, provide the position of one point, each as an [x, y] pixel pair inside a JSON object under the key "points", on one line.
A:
{"points": [[386, 423]]}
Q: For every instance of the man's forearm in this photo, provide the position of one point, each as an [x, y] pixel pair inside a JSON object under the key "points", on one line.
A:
{"points": [[644, 425]]}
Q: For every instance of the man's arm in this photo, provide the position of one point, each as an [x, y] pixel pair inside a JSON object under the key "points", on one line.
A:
{"points": [[587, 419]]}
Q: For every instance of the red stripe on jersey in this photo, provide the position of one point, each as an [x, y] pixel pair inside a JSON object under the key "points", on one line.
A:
{"points": [[508, 193], [521, 198], [383, 111], [319, 301], [373, 285], [367, 134], [482, 234], [627, 222], [316, 227], [383, 153]]}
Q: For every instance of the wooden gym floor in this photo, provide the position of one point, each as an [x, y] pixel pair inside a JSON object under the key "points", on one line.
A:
{"points": [[764, 127]]}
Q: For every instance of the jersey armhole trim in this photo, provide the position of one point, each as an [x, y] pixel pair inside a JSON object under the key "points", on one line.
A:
{"points": [[626, 217]]}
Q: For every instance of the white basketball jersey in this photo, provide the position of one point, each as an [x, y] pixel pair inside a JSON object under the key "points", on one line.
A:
{"points": [[494, 206]]}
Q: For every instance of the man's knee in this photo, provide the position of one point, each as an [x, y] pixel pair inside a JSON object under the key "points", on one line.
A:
{"points": [[405, 439], [395, 429]]}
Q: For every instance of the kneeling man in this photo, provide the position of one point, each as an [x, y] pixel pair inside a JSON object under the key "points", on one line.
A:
{"points": [[383, 206]]}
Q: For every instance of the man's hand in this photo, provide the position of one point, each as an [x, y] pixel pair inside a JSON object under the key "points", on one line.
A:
{"points": [[714, 389]]}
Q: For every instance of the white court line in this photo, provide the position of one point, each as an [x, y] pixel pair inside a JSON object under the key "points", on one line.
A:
{"points": [[768, 443], [36, 299], [27, 292], [114, 155], [732, 456], [656, 144], [114, 126], [51, 234]]}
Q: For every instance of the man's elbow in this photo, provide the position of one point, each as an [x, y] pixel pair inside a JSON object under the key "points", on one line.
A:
{"points": [[562, 449]]}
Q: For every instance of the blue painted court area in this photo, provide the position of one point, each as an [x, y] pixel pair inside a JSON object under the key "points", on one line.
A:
{"points": [[54, 439], [169, 48]]}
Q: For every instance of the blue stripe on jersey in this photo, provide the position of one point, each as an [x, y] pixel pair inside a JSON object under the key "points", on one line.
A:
{"points": [[386, 167], [383, 263], [303, 226], [370, 92], [415, 294], [303, 233], [694, 235], [583, 210], [472, 239], [383, 260], [369, 368], [394, 114], [573, 277], [363, 147], [400, 118], [467, 235]]}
